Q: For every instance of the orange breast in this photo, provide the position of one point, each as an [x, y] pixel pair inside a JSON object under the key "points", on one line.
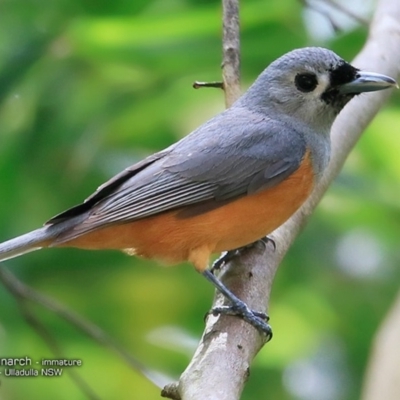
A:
{"points": [[188, 234]]}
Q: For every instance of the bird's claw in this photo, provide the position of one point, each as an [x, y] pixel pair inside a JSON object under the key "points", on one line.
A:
{"points": [[258, 320], [227, 256], [267, 239]]}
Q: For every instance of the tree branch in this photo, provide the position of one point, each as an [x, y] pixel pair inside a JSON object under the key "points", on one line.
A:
{"points": [[221, 362]]}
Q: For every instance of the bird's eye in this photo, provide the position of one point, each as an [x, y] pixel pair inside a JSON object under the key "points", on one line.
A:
{"points": [[306, 82]]}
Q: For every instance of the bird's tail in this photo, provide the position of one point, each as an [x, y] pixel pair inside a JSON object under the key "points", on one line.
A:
{"points": [[42, 237], [31, 241]]}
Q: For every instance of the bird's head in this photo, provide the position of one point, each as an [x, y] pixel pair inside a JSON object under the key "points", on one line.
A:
{"points": [[311, 85]]}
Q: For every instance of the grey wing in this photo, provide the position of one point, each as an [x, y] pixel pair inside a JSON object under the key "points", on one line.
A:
{"points": [[233, 154], [250, 153]]}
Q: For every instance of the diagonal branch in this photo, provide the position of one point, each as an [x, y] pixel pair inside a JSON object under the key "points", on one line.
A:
{"points": [[24, 294], [339, 7], [52, 343], [19, 290]]}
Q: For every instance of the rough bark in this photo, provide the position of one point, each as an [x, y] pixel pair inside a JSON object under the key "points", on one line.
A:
{"points": [[230, 50]]}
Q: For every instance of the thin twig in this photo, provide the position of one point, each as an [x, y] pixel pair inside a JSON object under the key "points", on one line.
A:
{"points": [[323, 12], [339, 7], [346, 11], [230, 54], [231, 50], [199, 85]]}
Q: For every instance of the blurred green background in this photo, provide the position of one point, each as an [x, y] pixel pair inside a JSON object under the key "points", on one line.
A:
{"points": [[88, 88]]}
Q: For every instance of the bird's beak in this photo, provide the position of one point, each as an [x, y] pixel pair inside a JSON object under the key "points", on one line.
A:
{"points": [[367, 82]]}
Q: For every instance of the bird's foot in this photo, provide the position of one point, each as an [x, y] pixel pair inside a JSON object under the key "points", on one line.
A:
{"points": [[239, 308], [227, 256], [258, 320], [267, 239]]}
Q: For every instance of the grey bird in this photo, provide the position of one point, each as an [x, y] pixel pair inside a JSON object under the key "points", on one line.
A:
{"points": [[229, 183]]}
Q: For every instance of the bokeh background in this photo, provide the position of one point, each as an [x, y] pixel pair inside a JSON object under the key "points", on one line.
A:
{"points": [[88, 88]]}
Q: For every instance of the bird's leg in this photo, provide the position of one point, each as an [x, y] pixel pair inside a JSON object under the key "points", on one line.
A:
{"points": [[227, 256], [239, 308]]}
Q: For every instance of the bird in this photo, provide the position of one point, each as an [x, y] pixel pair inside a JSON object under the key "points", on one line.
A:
{"points": [[227, 184]]}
